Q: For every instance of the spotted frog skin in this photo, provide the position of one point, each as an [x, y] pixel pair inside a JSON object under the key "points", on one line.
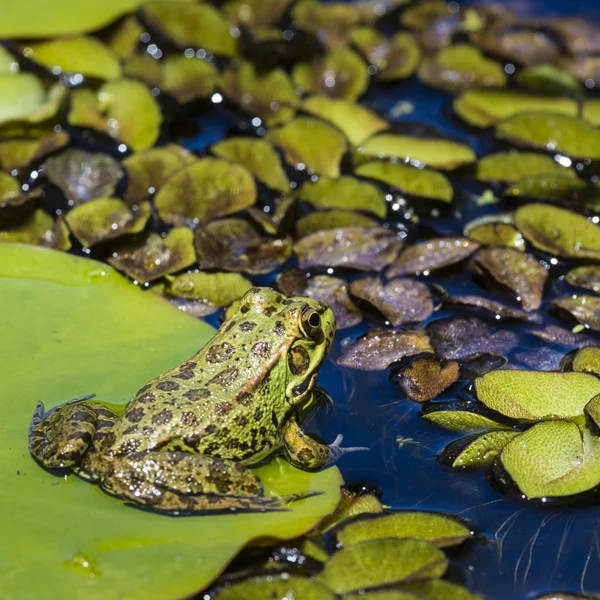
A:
{"points": [[186, 439]]}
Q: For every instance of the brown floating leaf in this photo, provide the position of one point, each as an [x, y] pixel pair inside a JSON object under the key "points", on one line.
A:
{"points": [[578, 35], [39, 229], [379, 348], [432, 254], [254, 13], [19, 153], [583, 68], [584, 309], [235, 245], [106, 219], [458, 337], [480, 364], [541, 359], [155, 256], [557, 335], [82, 175], [517, 271], [587, 277], [203, 190], [494, 307], [427, 377], [361, 248], [331, 219], [399, 301]]}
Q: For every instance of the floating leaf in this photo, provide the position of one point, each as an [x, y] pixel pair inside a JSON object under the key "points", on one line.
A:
{"points": [[458, 337], [584, 309], [584, 69], [460, 67], [535, 395], [554, 187], [541, 359], [187, 79], [204, 190], [590, 111], [339, 74], [332, 219], [361, 248], [587, 277], [426, 378], [495, 234], [20, 153], [587, 360], [83, 55], [483, 108], [461, 421], [513, 166], [558, 231], [8, 63], [439, 529], [439, 589], [399, 301], [106, 219], [276, 218], [352, 504], [311, 143], [275, 586], [577, 35], [494, 307], [83, 176], [126, 37], [476, 451], [11, 193], [345, 193], [565, 337], [373, 563], [39, 229], [379, 348], [435, 153], [517, 271], [418, 182], [109, 548], [548, 79], [155, 256], [254, 13], [432, 254], [482, 363], [234, 245], [355, 120], [258, 156]]}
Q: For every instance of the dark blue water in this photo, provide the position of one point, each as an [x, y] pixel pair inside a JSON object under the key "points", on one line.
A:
{"points": [[525, 549]]}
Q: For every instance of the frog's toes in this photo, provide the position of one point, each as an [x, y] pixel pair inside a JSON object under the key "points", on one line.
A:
{"points": [[336, 451]]}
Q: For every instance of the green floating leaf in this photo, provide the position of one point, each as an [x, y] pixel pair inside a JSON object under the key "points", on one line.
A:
{"points": [[254, 13], [513, 166], [476, 451], [278, 218], [275, 586], [355, 120], [483, 108], [548, 79], [19, 153], [187, 79], [435, 153], [535, 395], [204, 190], [373, 563], [109, 548], [258, 156], [426, 378], [590, 111], [11, 193], [439, 529], [418, 182], [310, 143], [462, 421], [126, 36], [438, 589], [553, 459], [352, 504], [587, 277], [8, 63], [587, 360], [584, 309], [83, 55], [331, 219], [558, 231], [381, 595], [495, 234], [39, 229], [346, 193], [554, 187]]}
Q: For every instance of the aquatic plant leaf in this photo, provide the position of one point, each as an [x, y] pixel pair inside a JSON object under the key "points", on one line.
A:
{"points": [[584, 69], [311, 143], [495, 234], [275, 586], [561, 133], [587, 276], [418, 182], [106, 219], [11, 193], [399, 301], [187, 24], [235, 245], [536, 395], [587, 360], [577, 35], [340, 74], [461, 337], [82, 175], [19, 153], [377, 562], [541, 359], [355, 120], [553, 187], [433, 152], [38, 229], [517, 271], [383, 594], [590, 111], [8, 62], [513, 166], [584, 309], [395, 58], [155, 256], [258, 156], [332, 219], [426, 378], [483, 108], [379, 348], [553, 459], [432, 254], [459, 67], [203, 190], [441, 530], [558, 231], [187, 79], [253, 13], [361, 248], [126, 37], [345, 193], [565, 337], [494, 307], [352, 504], [109, 549], [277, 218], [270, 95], [83, 55], [476, 451], [439, 589], [548, 79], [461, 421], [482, 363]]}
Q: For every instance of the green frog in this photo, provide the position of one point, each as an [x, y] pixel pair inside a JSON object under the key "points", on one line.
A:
{"points": [[186, 439]]}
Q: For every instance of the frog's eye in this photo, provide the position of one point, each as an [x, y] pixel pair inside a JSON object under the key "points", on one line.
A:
{"points": [[310, 322]]}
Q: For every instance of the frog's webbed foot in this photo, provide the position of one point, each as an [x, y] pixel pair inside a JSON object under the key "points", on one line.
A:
{"points": [[336, 451], [183, 483], [61, 437]]}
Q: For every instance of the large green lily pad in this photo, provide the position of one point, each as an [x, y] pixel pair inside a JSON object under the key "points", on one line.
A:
{"points": [[72, 326]]}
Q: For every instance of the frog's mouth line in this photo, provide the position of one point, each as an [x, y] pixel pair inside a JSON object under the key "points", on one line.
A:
{"points": [[300, 391]]}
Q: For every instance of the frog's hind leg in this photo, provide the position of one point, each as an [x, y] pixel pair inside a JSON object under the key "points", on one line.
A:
{"points": [[63, 436], [185, 483]]}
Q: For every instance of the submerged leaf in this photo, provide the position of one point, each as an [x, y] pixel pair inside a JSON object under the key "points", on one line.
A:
{"points": [[332, 219], [39, 229], [565, 337], [476, 451], [426, 378], [513, 166], [587, 277], [584, 309]]}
